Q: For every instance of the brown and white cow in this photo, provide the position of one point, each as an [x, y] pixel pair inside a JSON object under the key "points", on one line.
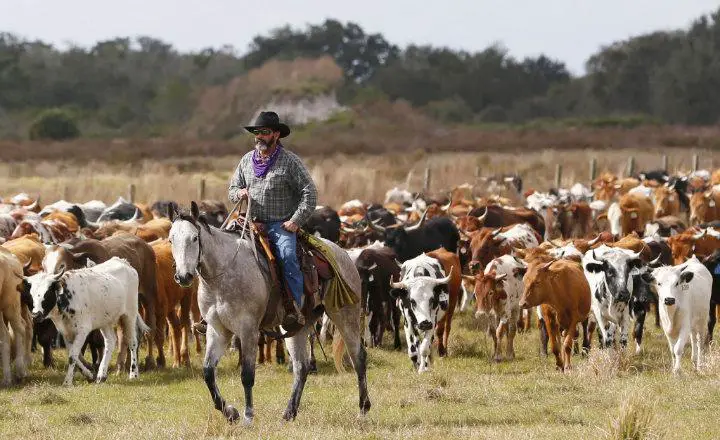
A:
{"points": [[488, 243], [704, 207], [667, 202]]}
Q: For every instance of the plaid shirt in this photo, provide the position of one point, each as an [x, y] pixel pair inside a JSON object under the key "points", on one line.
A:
{"points": [[287, 192]]}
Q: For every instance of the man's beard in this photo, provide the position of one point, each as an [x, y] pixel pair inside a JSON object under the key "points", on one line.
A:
{"points": [[261, 146]]}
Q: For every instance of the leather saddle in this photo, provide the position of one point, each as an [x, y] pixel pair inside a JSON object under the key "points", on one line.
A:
{"points": [[315, 269]]}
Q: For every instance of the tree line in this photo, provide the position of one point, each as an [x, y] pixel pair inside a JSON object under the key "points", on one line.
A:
{"points": [[144, 85]]}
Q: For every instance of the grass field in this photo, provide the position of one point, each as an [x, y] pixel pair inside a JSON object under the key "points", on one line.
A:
{"points": [[465, 396]]}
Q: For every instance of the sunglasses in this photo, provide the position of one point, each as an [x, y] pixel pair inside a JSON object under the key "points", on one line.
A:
{"points": [[262, 131]]}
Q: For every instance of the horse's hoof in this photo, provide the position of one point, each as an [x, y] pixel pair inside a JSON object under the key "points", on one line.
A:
{"points": [[312, 368], [289, 415], [231, 414]]}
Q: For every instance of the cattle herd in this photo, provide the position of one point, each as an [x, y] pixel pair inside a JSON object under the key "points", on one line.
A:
{"points": [[592, 259]]}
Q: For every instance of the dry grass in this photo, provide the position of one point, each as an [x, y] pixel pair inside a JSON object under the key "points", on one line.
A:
{"points": [[464, 396], [339, 177]]}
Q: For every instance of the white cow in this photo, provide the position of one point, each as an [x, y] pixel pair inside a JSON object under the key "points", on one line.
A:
{"points": [[82, 300], [610, 273], [421, 305], [684, 299]]}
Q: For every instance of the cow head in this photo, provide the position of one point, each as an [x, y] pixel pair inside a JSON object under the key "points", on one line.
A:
{"points": [[702, 206], [666, 201], [61, 257], [486, 246], [673, 284], [536, 283], [613, 270], [46, 291], [396, 236], [490, 295], [424, 297]]}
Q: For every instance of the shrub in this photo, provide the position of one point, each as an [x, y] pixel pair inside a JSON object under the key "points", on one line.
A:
{"points": [[56, 124]]}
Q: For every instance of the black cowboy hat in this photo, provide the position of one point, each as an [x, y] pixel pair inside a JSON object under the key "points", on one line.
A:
{"points": [[269, 120]]}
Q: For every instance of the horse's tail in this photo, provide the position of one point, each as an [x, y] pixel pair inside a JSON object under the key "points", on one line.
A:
{"points": [[338, 351]]}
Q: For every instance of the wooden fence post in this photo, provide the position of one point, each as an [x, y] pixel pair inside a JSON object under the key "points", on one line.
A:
{"points": [[201, 189], [66, 193], [426, 181], [695, 162], [558, 175], [593, 169], [630, 166], [665, 162], [131, 193]]}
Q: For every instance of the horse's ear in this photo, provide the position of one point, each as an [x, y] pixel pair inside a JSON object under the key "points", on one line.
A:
{"points": [[194, 210]]}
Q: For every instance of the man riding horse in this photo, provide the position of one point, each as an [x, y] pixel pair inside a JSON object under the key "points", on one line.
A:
{"points": [[283, 198]]}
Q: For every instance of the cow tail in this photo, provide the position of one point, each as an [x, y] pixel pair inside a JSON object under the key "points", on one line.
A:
{"points": [[142, 328], [338, 351]]}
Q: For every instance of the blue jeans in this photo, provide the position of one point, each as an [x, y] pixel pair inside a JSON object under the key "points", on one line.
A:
{"points": [[284, 245]]}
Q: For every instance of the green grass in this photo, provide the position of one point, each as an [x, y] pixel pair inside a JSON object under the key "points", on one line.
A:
{"points": [[465, 396]]}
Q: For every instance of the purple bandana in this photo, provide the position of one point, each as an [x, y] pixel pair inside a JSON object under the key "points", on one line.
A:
{"points": [[261, 165]]}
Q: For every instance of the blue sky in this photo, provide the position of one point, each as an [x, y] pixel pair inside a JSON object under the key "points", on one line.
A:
{"points": [[568, 30]]}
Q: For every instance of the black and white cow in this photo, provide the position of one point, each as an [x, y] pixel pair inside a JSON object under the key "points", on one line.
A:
{"points": [[424, 298], [81, 300], [611, 273]]}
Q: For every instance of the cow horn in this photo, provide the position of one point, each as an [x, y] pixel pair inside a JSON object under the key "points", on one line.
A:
{"points": [[496, 232], [594, 257], [482, 217], [26, 266], [446, 207], [700, 235], [374, 266], [418, 224], [33, 206], [636, 254], [594, 240], [656, 262], [446, 279], [348, 230], [59, 275], [500, 277], [135, 216], [547, 265], [398, 285], [374, 225]]}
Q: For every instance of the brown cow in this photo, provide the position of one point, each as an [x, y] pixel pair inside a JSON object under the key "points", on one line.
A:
{"points": [[451, 264], [635, 211], [169, 295], [491, 216], [66, 218], [604, 187], [562, 291], [49, 231], [154, 229], [704, 207], [667, 202], [575, 220], [14, 313], [691, 242]]}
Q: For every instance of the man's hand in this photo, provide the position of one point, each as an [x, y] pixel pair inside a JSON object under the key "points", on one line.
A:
{"points": [[290, 226], [243, 193]]}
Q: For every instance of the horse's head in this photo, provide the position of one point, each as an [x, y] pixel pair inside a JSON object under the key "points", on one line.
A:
{"points": [[185, 242]]}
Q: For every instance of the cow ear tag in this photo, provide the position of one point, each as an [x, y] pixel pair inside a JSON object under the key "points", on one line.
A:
{"points": [[633, 215]]}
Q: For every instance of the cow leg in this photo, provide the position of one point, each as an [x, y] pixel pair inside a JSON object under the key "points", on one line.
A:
{"points": [[216, 340], [425, 350], [133, 341], [624, 325], [677, 348], [19, 330], [443, 332], [656, 306], [569, 336], [640, 314], [711, 323], [173, 323], [695, 345], [5, 352], [160, 326], [588, 327], [110, 342], [74, 347], [396, 326], [496, 333], [512, 330], [412, 343], [123, 347], [553, 332], [184, 320], [544, 337]]}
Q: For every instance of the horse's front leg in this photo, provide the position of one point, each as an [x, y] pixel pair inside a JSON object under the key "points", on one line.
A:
{"points": [[297, 347], [217, 338]]}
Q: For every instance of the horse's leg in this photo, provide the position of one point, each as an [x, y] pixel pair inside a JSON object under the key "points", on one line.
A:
{"points": [[215, 342], [312, 365], [297, 347], [347, 320], [248, 335]]}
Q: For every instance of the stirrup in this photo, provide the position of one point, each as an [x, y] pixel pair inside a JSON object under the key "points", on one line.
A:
{"points": [[200, 327]]}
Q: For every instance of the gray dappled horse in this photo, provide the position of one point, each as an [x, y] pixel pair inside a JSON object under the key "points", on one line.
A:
{"points": [[233, 295]]}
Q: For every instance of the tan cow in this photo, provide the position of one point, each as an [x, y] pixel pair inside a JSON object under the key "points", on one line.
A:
{"points": [[635, 211], [563, 292], [29, 250], [704, 207], [667, 202], [13, 312]]}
